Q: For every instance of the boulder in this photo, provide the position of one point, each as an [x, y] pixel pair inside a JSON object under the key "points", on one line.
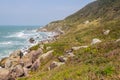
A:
{"points": [[4, 73], [31, 40], [25, 71], [86, 22], [62, 59], [47, 55], [42, 46], [28, 65], [95, 41], [69, 51], [17, 71], [27, 61], [79, 47], [35, 65], [55, 64], [118, 40], [106, 32], [36, 54], [2, 62], [45, 41], [70, 54], [16, 54], [8, 63], [11, 62]]}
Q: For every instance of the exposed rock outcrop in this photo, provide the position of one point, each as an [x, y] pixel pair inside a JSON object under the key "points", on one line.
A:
{"points": [[36, 65], [17, 71], [106, 32], [4, 73], [3, 61], [95, 41], [47, 55], [55, 64]]}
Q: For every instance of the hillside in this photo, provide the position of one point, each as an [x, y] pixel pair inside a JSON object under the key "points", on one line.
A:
{"points": [[93, 33]]}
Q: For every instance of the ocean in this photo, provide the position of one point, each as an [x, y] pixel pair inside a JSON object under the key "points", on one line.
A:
{"points": [[17, 37]]}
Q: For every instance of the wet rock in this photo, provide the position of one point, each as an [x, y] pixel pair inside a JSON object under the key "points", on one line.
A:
{"points": [[79, 47], [4, 73], [95, 41], [62, 59], [106, 32], [31, 40], [55, 64]]}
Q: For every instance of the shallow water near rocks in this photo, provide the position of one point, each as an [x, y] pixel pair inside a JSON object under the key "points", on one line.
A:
{"points": [[17, 37]]}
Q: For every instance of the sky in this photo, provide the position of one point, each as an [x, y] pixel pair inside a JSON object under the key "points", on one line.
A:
{"points": [[37, 12]]}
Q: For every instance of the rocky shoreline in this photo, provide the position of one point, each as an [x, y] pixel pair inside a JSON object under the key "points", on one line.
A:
{"points": [[20, 62]]}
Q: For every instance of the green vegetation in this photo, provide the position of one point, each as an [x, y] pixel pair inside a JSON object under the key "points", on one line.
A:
{"points": [[97, 62], [34, 47]]}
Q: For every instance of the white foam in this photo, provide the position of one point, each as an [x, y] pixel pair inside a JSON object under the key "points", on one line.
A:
{"points": [[6, 43]]}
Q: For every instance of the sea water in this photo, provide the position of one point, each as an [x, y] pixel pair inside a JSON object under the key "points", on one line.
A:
{"points": [[17, 37]]}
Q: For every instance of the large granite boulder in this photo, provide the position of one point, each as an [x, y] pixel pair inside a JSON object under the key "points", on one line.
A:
{"points": [[16, 54], [46, 56], [2, 62], [17, 71], [4, 74], [10, 62], [35, 65], [36, 54]]}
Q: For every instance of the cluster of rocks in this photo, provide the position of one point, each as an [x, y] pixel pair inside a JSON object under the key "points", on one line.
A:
{"points": [[62, 59], [19, 65]]}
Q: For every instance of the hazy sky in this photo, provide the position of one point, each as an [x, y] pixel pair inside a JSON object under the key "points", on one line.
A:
{"points": [[37, 12]]}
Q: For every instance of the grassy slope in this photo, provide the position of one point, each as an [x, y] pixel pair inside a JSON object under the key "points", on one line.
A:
{"points": [[100, 61]]}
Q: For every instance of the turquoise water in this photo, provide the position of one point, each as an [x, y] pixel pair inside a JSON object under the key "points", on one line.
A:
{"points": [[16, 37]]}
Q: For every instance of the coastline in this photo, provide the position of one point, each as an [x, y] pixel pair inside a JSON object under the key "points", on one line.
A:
{"points": [[26, 59]]}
